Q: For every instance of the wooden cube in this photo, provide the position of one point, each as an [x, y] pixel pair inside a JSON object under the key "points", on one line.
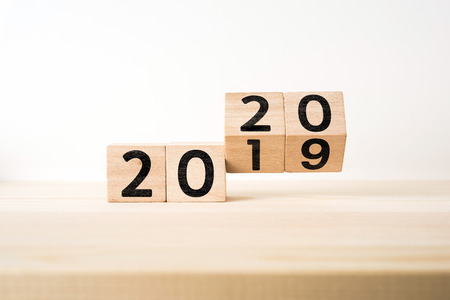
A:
{"points": [[136, 173], [254, 132], [196, 173], [315, 131]]}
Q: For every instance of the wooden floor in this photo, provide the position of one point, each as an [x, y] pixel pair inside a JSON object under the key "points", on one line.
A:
{"points": [[270, 240]]}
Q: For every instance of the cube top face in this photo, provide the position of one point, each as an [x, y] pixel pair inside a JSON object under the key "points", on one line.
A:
{"points": [[254, 114], [136, 173], [315, 113], [196, 173]]}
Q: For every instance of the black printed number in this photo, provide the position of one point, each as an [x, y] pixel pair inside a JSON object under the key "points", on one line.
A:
{"points": [[131, 190], [304, 118], [324, 153], [256, 153], [209, 173], [263, 108]]}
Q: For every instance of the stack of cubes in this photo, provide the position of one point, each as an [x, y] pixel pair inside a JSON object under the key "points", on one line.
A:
{"points": [[264, 133]]}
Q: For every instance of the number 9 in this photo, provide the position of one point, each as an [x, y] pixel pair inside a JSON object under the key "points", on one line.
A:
{"points": [[324, 153]]}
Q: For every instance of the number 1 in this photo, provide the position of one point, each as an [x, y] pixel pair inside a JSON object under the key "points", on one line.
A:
{"points": [[256, 153]]}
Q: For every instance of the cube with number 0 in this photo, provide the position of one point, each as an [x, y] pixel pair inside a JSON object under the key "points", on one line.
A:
{"points": [[136, 173], [196, 173], [254, 132], [315, 131]]}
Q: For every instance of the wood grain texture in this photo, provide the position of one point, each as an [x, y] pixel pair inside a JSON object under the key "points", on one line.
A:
{"points": [[238, 153], [335, 135], [121, 173], [196, 175], [270, 240]]}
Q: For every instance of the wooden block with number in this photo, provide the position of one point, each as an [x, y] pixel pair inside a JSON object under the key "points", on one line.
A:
{"points": [[136, 173], [254, 132], [315, 131], [196, 173]]}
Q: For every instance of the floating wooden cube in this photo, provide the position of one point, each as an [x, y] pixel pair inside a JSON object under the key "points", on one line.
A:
{"points": [[254, 132], [136, 173], [315, 131], [196, 173]]}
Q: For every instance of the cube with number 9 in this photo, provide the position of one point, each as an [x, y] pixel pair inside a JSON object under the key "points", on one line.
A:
{"points": [[315, 131]]}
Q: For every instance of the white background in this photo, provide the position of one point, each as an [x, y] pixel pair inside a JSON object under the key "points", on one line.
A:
{"points": [[78, 75]]}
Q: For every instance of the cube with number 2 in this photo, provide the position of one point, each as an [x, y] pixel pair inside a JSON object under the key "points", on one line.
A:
{"points": [[254, 132], [136, 173]]}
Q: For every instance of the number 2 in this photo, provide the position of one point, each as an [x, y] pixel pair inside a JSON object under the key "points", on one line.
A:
{"points": [[131, 190], [263, 108]]}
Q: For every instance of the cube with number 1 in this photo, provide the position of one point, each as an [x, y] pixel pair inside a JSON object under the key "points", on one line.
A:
{"points": [[254, 132]]}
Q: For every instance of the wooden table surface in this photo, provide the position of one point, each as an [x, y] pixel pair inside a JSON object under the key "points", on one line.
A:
{"points": [[270, 240]]}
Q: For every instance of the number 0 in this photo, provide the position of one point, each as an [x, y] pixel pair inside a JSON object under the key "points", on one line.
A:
{"points": [[209, 173], [304, 118]]}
